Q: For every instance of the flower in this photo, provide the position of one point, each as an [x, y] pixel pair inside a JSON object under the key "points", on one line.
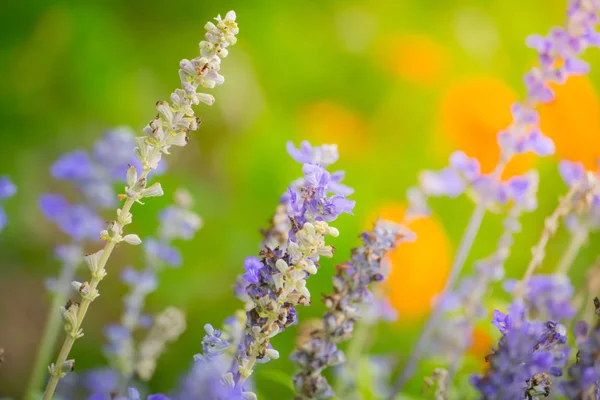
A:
{"points": [[345, 305], [547, 296], [525, 351], [78, 221], [583, 375]]}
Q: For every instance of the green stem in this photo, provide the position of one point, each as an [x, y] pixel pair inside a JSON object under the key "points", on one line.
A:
{"points": [[550, 226], [85, 304], [575, 244], [48, 341], [51, 331]]}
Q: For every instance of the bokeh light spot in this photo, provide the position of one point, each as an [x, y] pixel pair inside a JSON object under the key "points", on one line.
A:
{"points": [[416, 58], [329, 122], [572, 120], [471, 114], [418, 269]]}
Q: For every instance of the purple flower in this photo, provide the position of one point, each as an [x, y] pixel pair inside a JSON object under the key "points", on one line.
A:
{"points": [[324, 155], [74, 166], [101, 381], [585, 372], [446, 182], [526, 352], [7, 188], [571, 171], [78, 221], [347, 303], [468, 167], [252, 266], [168, 254], [178, 222], [547, 296], [539, 144]]}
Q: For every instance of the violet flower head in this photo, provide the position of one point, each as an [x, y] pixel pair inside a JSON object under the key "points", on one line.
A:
{"points": [[345, 305], [547, 297], [79, 221], [527, 353], [274, 289], [583, 375], [7, 190], [585, 215]]}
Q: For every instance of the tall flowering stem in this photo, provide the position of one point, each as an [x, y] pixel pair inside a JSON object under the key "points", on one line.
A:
{"points": [[558, 56], [278, 279], [469, 294], [345, 306], [176, 222], [550, 227], [171, 127], [93, 174]]}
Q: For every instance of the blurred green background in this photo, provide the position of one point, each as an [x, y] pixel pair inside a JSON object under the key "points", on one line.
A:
{"points": [[397, 84]]}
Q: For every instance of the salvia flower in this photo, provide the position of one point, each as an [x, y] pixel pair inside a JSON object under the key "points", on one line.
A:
{"points": [[175, 120], [585, 214], [275, 283], [464, 305], [350, 296], [528, 354], [583, 375], [547, 297]]}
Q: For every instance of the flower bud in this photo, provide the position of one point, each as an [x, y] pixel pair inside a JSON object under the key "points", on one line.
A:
{"points": [[132, 239]]}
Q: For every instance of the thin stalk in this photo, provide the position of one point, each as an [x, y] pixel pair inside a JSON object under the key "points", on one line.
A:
{"points": [[51, 332], [85, 304], [577, 241], [550, 227], [461, 256]]}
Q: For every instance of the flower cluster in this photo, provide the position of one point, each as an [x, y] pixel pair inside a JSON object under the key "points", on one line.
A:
{"points": [[585, 217], [585, 372], [170, 128], [344, 305], [464, 305], [7, 190], [527, 354], [546, 297], [277, 281]]}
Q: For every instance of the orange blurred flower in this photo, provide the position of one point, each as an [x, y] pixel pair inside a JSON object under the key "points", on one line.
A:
{"points": [[419, 268], [471, 114], [414, 57], [329, 122], [572, 120], [481, 345]]}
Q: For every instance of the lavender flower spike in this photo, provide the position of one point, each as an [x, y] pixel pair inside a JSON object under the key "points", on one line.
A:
{"points": [[174, 122], [350, 295], [585, 372], [528, 356]]}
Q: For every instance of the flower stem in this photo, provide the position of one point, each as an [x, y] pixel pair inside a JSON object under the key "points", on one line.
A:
{"points": [[51, 331], [550, 227], [85, 304], [461, 256], [577, 241]]}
